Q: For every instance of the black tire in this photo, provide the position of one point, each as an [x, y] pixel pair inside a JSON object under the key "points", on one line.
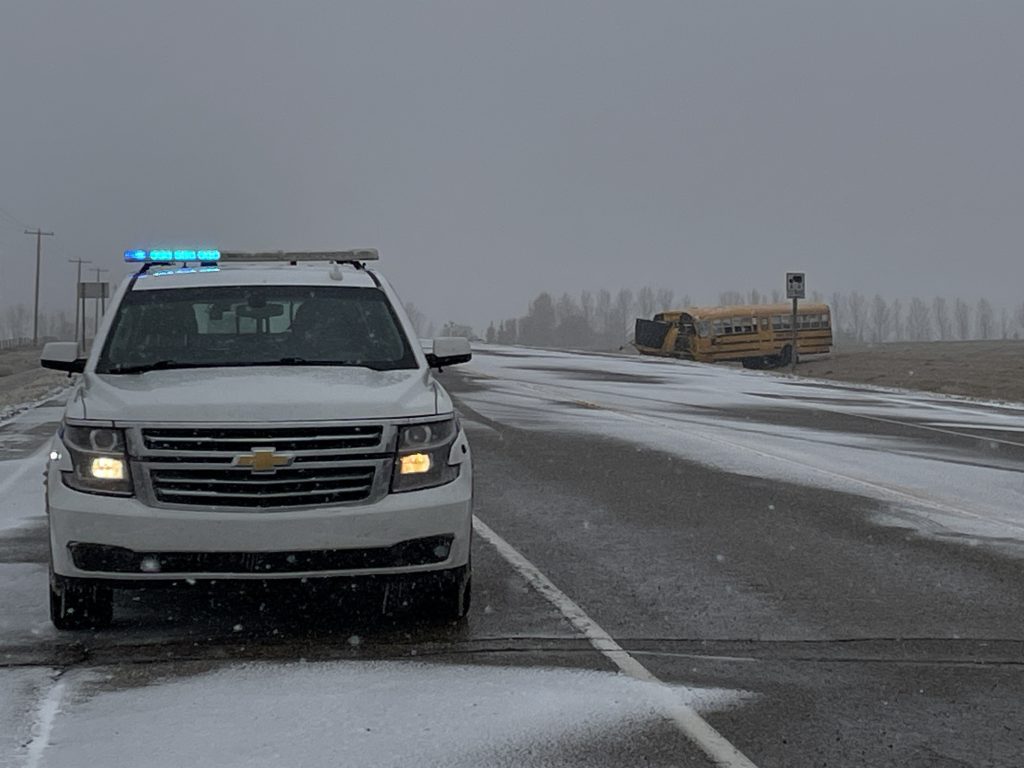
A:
{"points": [[760, 363], [80, 603], [786, 356], [449, 594]]}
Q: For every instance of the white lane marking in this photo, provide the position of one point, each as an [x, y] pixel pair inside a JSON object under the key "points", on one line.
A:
{"points": [[721, 752], [46, 715]]}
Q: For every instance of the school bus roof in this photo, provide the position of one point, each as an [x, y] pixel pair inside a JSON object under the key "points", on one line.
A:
{"points": [[711, 313]]}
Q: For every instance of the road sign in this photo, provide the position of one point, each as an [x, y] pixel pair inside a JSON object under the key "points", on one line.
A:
{"points": [[795, 285], [94, 290]]}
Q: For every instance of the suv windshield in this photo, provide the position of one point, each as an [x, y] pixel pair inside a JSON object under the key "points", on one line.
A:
{"points": [[255, 325]]}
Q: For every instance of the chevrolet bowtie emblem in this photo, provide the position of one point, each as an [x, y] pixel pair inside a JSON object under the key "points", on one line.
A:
{"points": [[263, 460]]}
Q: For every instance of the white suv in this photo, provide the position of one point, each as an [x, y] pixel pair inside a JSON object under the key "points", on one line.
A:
{"points": [[256, 416]]}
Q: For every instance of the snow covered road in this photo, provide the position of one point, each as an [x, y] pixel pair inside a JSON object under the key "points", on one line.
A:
{"points": [[826, 574]]}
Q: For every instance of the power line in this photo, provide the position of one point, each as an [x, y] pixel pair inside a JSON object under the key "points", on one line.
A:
{"points": [[13, 218]]}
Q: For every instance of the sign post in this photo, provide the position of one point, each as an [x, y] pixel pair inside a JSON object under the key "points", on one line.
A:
{"points": [[796, 288]]}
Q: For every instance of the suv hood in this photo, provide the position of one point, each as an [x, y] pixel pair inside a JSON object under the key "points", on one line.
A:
{"points": [[258, 395]]}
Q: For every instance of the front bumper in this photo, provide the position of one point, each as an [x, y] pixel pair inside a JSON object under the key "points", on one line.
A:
{"points": [[399, 534]]}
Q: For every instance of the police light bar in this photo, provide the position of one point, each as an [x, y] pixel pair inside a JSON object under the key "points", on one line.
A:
{"points": [[167, 256], [356, 255]]}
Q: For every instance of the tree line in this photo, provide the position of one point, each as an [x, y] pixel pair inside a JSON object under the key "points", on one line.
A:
{"points": [[16, 323], [603, 320]]}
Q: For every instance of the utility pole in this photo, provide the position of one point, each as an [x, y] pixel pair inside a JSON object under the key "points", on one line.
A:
{"points": [[792, 364], [79, 315], [96, 320], [39, 251], [796, 289]]}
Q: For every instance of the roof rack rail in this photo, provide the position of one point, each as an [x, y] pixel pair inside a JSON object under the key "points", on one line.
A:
{"points": [[356, 256]]}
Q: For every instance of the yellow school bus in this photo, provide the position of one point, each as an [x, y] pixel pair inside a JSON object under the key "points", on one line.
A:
{"points": [[757, 335]]}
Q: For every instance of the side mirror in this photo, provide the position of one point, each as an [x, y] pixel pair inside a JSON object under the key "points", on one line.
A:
{"points": [[449, 350], [62, 356]]}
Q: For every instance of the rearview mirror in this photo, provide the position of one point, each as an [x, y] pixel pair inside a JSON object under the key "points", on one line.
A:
{"points": [[62, 356], [449, 350]]}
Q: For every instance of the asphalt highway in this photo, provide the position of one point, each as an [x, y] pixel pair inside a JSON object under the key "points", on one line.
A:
{"points": [[791, 574]]}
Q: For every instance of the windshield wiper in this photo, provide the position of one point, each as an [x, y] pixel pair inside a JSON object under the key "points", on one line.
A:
{"points": [[338, 363], [166, 365], [162, 365], [159, 365]]}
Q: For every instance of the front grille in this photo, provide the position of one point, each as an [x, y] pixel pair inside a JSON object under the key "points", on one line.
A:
{"points": [[213, 466], [101, 558], [230, 439], [237, 487]]}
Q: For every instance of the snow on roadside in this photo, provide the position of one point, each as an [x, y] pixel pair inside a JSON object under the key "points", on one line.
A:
{"points": [[369, 714], [709, 415], [21, 689], [21, 489], [11, 411]]}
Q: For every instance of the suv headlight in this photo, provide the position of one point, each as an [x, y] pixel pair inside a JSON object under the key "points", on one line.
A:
{"points": [[99, 460], [422, 460]]}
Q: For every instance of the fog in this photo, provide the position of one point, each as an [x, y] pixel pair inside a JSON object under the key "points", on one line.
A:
{"points": [[494, 150]]}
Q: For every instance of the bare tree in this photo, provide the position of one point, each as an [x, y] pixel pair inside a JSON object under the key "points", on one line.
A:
{"points": [[537, 328], [18, 319], [754, 297], [880, 320], [603, 314], [919, 321], [623, 314], [898, 331], [986, 319], [962, 315], [566, 308], [857, 304], [943, 322], [729, 298], [837, 306], [663, 301], [587, 307], [1004, 322], [645, 303]]}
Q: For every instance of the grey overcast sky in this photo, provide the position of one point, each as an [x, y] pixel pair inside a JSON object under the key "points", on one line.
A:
{"points": [[492, 150]]}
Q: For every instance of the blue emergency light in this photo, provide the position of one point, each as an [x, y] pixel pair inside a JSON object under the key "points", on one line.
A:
{"points": [[166, 256]]}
